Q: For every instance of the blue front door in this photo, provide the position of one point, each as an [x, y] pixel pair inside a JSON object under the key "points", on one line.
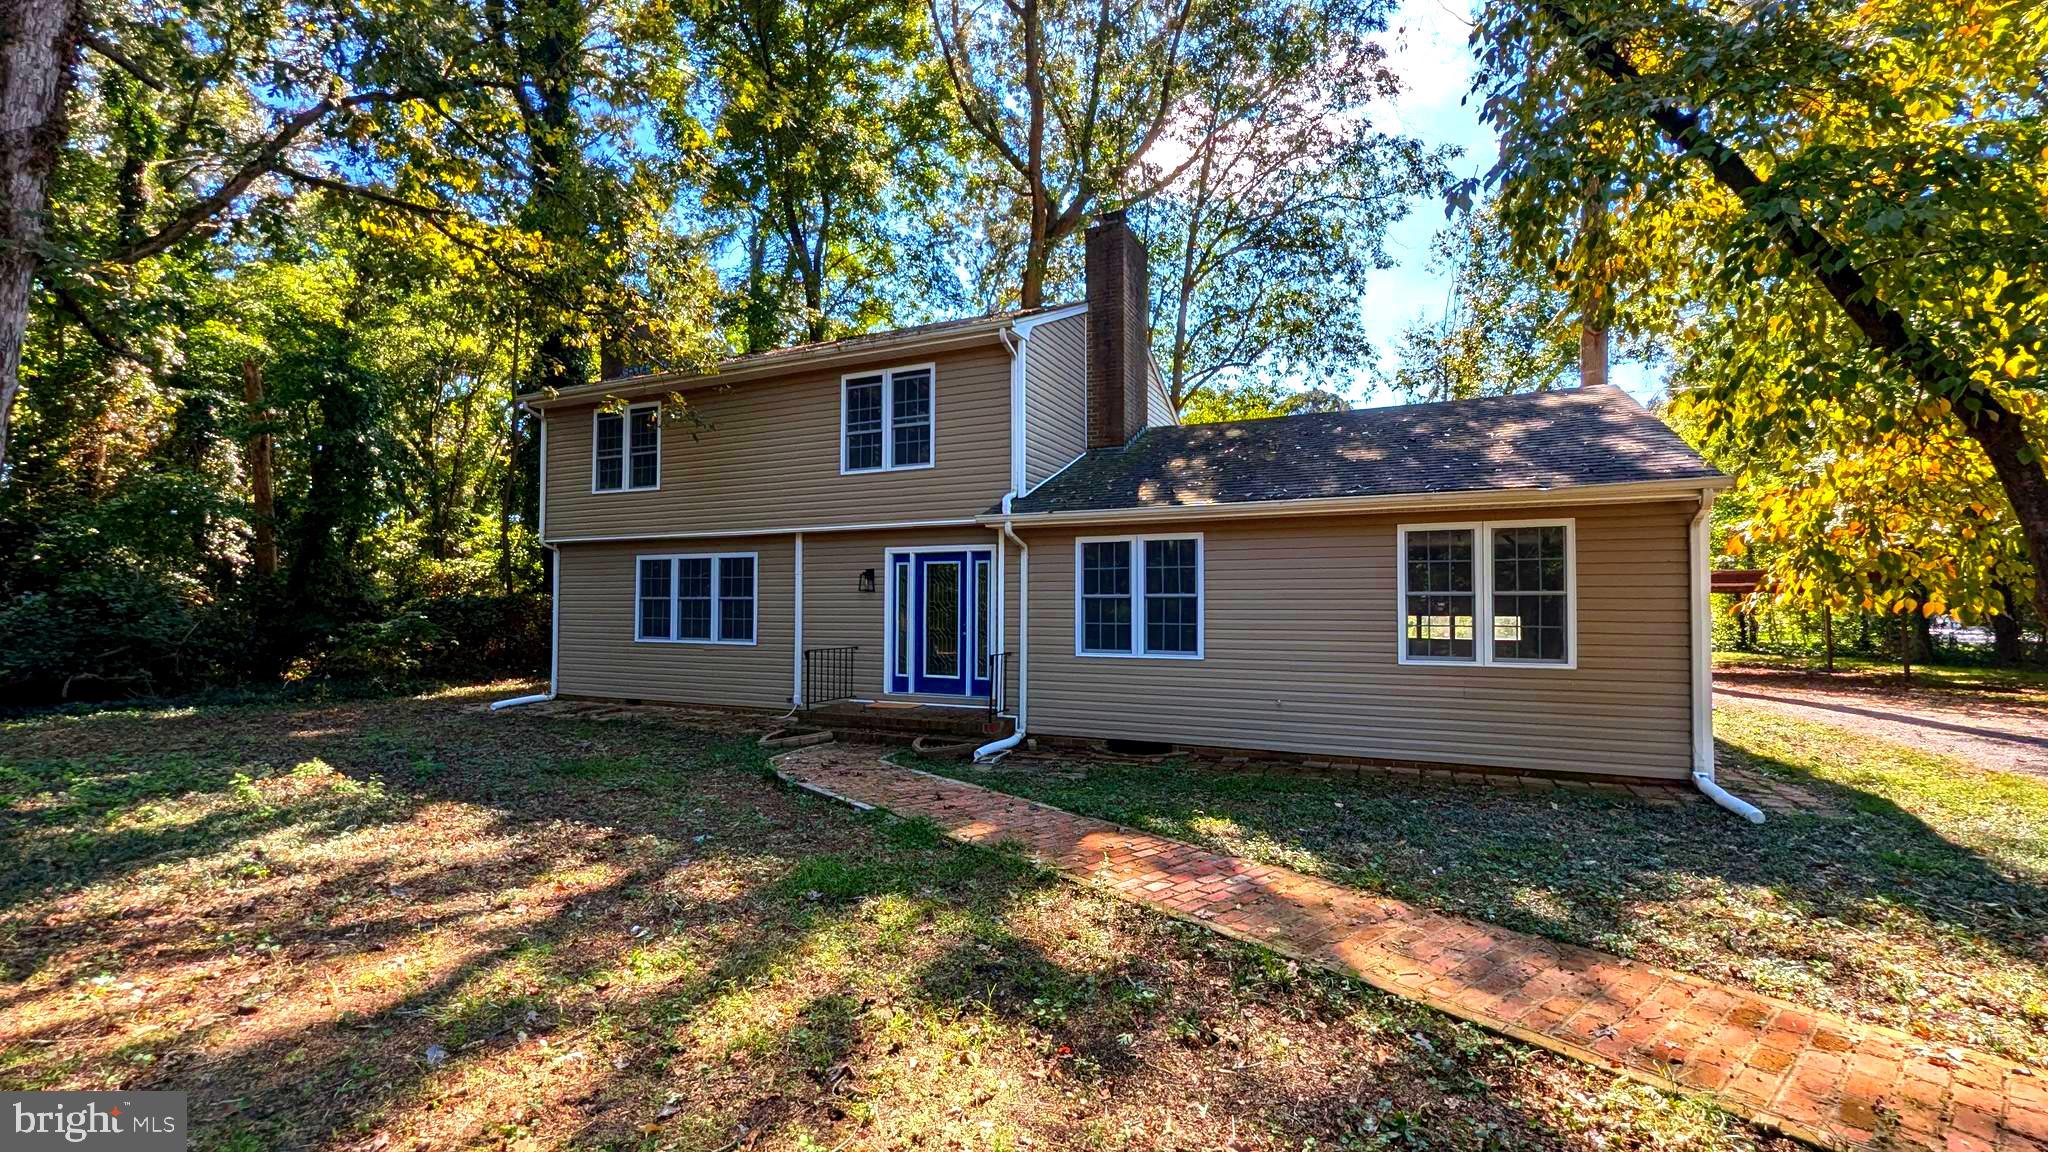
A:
{"points": [[940, 617]]}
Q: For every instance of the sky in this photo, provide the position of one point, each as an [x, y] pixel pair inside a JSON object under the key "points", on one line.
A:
{"points": [[1427, 48]]}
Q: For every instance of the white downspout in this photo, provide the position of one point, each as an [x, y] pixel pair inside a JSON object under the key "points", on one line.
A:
{"points": [[991, 751], [554, 592], [1703, 673], [796, 684], [995, 749]]}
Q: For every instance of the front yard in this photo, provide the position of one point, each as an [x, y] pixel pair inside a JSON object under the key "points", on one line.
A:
{"points": [[410, 924], [1917, 895]]}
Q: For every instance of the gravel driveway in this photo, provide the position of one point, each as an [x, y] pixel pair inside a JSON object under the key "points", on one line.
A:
{"points": [[2000, 731]]}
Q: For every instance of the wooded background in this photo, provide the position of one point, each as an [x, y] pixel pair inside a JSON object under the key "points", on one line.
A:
{"points": [[272, 272]]}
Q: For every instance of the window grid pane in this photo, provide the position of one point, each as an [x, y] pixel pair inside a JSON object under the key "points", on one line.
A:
{"points": [[654, 600], [1529, 585], [646, 447], [903, 619], [611, 451], [1441, 601], [1171, 604], [1106, 596], [736, 598], [982, 604], [910, 419], [693, 598], [864, 423]]}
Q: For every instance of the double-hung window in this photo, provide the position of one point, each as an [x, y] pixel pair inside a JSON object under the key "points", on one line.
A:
{"points": [[696, 599], [886, 420], [626, 449], [1488, 593], [1138, 596]]}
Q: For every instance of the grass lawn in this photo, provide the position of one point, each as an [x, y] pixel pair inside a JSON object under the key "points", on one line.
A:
{"points": [[1918, 899], [411, 924]]}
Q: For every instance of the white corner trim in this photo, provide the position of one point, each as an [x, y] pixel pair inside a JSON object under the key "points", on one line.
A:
{"points": [[796, 646], [1702, 640]]}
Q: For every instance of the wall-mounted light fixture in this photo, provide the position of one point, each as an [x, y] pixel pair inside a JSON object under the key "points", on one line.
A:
{"points": [[867, 580]]}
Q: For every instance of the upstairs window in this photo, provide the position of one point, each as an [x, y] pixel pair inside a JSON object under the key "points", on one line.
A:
{"points": [[696, 599], [886, 420], [626, 449], [1139, 596], [1493, 593]]}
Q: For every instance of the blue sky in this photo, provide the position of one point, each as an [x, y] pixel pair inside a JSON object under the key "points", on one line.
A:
{"points": [[1427, 48]]}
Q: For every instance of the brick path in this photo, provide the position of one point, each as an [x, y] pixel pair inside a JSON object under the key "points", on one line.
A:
{"points": [[1818, 1077]]}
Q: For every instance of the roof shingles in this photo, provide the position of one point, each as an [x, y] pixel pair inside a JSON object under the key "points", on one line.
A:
{"points": [[1534, 441]]}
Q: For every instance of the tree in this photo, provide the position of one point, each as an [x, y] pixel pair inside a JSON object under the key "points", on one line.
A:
{"points": [[817, 116], [1263, 245], [38, 40], [1084, 106], [1506, 329], [1258, 400], [1857, 184]]}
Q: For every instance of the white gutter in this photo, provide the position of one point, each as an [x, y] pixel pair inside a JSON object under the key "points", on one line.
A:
{"points": [[990, 751], [796, 684], [554, 592], [1625, 493], [1703, 673]]}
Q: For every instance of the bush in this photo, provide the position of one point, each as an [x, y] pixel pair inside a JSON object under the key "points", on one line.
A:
{"points": [[107, 631]]}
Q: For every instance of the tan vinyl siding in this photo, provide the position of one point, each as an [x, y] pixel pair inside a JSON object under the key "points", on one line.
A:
{"points": [[764, 454], [599, 656], [838, 614], [1159, 411], [1301, 638], [1055, 397]]}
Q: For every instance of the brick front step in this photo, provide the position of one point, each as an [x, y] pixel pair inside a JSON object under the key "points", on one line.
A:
{"points": [[1818, 1077]]}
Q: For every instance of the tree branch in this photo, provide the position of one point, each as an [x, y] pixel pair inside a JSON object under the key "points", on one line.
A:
{"points": [[126, 63], [268, 158]]}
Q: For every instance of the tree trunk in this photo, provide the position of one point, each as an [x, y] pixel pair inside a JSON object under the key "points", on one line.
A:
{"points": [[761, 305], [1827, 627], [2005, 629], [262, 502], [38, 48], [1593, 354], [1038, 251]]}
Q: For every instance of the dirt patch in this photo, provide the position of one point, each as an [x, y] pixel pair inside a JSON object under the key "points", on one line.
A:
{"points": [[2003, 731]]}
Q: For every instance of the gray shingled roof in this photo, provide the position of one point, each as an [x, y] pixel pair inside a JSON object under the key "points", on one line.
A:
{"points": [[1542, 440]]}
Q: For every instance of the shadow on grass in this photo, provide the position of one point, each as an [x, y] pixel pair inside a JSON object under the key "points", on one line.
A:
{"points": [[477, 930], [1863, 901]]}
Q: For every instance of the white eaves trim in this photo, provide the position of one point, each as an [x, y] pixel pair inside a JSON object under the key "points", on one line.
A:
{"points": [[1635, 492]]}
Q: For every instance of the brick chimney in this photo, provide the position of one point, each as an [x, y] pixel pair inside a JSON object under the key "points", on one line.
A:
{"points": [[1119, 331]]}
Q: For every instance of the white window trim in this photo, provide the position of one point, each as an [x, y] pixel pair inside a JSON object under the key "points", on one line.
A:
{"points": [[888, 376], [1482, 594], [675, 592], [1138, 651], [981, 551], [626, 484]]}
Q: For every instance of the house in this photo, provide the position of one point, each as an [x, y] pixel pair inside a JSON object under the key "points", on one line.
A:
{"points": [[1006, 508]]}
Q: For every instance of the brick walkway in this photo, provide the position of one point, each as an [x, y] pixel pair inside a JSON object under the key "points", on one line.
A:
{"points": [[1820, 1078]]}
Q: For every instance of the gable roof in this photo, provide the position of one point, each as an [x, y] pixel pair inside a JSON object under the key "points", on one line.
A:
{"points": [[1534, 442]]}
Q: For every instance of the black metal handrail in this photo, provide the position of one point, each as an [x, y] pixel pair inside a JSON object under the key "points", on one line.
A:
{"points": [[998, 682], [828, 675]]}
